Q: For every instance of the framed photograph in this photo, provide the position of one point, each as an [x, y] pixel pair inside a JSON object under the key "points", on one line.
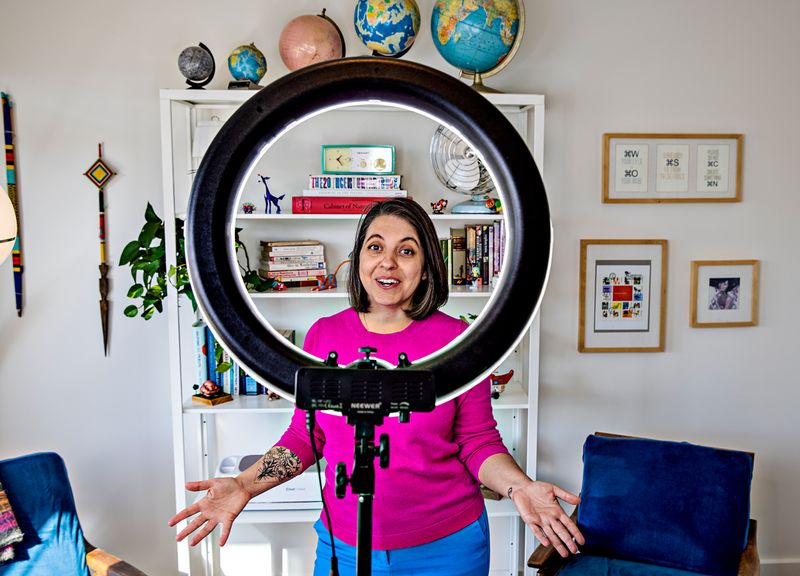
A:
{"points": [[724, 293], [672, 168], [623, 286]]}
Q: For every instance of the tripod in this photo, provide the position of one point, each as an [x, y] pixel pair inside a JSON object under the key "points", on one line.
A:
{"points": [[365, 394]]}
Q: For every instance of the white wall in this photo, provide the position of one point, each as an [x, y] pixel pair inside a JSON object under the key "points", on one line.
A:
{"points": [[89, 71]]}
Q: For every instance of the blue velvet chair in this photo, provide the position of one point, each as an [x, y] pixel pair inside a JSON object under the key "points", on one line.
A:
{"points": [[660, 508], [39, 492]]}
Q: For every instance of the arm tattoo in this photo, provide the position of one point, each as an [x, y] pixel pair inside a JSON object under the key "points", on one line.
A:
{"points": [[278, 464]]}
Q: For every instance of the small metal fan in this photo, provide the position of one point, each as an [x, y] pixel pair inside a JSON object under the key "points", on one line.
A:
{"points": [[458, 167]]}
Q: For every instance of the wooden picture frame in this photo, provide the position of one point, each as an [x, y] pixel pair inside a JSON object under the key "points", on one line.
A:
{"points": [[623, 295], [724, 293], [656, 168]]}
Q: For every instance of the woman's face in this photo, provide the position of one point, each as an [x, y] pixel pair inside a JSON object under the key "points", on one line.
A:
{"points": [[391, 263]]}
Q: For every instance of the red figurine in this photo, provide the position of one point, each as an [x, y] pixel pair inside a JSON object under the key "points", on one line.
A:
{"points": [[499, 382], [328, 282]]}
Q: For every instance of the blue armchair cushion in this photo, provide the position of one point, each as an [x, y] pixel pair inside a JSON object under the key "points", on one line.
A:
{"points": [[588, 565], [38, 489], [670, 504]]}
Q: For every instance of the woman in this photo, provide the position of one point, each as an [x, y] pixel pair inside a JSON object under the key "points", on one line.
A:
{"points": [[428, 515]]}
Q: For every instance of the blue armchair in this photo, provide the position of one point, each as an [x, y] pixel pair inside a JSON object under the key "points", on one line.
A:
{"points": [[660, 508], [38, 490]]}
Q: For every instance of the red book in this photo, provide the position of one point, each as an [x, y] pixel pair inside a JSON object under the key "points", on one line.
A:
{"points": [[331, 204]]}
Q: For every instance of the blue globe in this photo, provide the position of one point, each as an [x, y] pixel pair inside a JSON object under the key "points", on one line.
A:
{"points": [[247, 63], [387, 27], [475, 36]]}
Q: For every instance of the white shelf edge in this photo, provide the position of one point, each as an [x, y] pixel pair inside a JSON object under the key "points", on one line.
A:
{"points": [[434, 217], [514, 397], [341, 292]]}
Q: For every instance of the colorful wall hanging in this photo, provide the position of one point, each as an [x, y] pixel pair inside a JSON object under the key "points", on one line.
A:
{"points": [[99, 173], [13, 193]]}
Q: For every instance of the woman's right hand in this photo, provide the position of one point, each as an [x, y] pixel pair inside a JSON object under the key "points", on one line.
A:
{"points": [[224, 500]]}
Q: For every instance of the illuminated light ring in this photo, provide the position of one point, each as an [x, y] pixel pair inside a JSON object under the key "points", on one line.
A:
{"points": [[223, 173]]}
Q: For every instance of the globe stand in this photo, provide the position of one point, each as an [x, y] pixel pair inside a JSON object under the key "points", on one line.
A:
{"points": [[243, 85], [477, 84]]}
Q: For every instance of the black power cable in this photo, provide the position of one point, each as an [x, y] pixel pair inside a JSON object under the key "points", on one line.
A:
{"points": [[310, 424]]}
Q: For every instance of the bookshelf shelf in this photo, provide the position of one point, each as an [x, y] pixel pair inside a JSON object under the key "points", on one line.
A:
{"points": [[201, 434]]}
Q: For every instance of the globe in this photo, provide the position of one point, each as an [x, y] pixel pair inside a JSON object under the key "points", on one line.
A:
{"points": [[387, 27], [309, 39], [196, 63], [247, 63], [479, 37]]}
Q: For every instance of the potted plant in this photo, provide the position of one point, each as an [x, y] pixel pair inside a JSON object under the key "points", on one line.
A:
{"points": [[147, 258]]}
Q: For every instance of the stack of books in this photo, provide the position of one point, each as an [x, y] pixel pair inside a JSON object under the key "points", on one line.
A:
{"points": [[295, 263], [474, 254], [346, 193]]}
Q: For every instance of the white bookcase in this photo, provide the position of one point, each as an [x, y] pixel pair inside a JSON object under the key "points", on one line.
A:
{"points": [[248, 425]]}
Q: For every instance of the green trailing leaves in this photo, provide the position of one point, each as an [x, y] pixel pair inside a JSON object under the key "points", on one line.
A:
{"points": [[147, 258]]}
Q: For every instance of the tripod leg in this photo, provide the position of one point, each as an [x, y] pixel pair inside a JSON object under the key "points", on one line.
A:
{"points": [[364, 548]]}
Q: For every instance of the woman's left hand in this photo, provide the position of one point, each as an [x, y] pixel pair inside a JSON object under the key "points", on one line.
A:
{"points": [[539, 507]]}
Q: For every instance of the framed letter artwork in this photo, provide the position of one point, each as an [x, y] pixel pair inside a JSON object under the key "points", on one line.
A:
{"points": [[724, 293], [623, 287], [672, 168]]}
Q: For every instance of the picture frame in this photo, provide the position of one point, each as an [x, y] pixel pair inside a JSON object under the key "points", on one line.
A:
{"points": [[663, 168], [724, 293], [623, 295]]}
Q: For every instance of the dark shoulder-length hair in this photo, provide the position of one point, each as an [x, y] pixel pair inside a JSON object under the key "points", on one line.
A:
{"points": [[433, 290]]}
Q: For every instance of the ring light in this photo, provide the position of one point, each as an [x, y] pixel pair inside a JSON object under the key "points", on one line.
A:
{"points": [[272, 111]]}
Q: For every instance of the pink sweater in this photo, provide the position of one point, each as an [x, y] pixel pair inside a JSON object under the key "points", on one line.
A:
{"points": [[430, 489]]}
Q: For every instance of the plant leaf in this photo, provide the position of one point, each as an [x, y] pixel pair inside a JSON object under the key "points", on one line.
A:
{"points": [[135, 291], [131, 311], [150, 214], [129, 252], [148, 233]]}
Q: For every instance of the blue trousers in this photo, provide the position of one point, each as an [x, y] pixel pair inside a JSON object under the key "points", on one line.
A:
{"points": [[464, 553]]}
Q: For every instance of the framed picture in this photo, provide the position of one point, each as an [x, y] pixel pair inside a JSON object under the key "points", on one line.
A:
{"points": [[724, 293], [672, 168], [623, 286]]}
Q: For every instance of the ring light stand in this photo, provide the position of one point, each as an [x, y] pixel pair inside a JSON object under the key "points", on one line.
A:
{"points": [[363, 392]]}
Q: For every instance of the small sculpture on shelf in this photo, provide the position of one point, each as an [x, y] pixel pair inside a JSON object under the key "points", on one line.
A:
{"points": [[439, 206], [495, 205], [210, 393], [499, 382], [328, 282], [269, 198], [248, 208]]}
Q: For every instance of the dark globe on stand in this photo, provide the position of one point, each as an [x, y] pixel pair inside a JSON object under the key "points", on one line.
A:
{"points": [[196, 63]]}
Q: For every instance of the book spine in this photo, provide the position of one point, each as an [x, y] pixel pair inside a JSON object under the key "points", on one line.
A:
{"points": [[355, 193], [334, 181], [286, 266], [288, 243], [491, 252], [305, 274], [211, 356], [332, 205], [200, 359], [458, 256], [485, 254], [470, 275], [290, 251]]}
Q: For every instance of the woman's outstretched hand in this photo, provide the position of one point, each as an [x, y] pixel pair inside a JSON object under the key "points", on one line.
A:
{"points": [[539, 507], [224, 500]]}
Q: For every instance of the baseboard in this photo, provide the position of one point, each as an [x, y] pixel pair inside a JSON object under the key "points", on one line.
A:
{"points": [[780, 567]]}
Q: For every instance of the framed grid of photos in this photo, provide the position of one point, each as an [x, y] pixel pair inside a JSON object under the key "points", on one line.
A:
{"points": [[724, 293], [623, 287], [672, 168]]}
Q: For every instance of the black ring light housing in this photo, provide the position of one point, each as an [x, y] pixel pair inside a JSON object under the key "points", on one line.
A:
{"points": [[272, 111]]}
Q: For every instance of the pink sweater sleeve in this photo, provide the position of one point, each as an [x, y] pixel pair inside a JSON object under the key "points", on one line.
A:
{"points": [[296, 437], [475, 429]]}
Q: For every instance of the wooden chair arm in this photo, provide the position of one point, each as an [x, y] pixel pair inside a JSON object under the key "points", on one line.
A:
{"points": [[545, 558], [750, 564], [102, 563]]}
